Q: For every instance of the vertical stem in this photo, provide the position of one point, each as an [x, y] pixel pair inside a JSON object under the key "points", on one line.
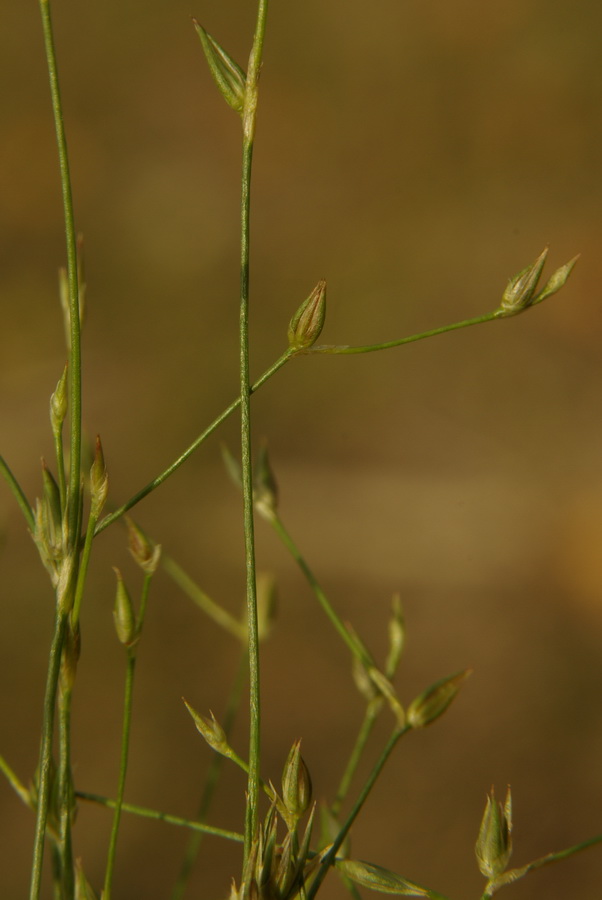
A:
{"points": [[249, 117], [65, 792], [46, 753], [74, 319]]}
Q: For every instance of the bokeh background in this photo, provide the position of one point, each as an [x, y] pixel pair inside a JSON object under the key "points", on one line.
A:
{"points": [[416, 155]]}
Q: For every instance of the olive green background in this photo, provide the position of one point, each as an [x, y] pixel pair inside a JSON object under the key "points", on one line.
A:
{"points": [[416, 155]]}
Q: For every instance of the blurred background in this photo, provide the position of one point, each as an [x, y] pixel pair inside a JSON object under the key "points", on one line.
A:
{"points": [[417, 156]]}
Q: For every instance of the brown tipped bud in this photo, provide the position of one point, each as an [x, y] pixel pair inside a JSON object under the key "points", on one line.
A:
{"points": [[265, 488], [123, 613], [58, 402], [211, 730], [99, 480], [146, 553], [494, 843], [296, 785], [306, 325], [52, 501], [435, 700]]}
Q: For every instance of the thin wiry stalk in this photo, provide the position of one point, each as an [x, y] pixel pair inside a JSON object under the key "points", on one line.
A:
{"points": [[125, 741], [65, 794], [369, 720], [45, 764], [249, 119], [18, 493], [75, 405], [163, 476], [159, 816]]}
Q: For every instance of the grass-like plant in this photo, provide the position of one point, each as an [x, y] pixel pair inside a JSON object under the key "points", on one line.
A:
{"points": [[288, 847]]}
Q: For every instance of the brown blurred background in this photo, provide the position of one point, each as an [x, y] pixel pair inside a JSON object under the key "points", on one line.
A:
{"points": [[416, 155]]}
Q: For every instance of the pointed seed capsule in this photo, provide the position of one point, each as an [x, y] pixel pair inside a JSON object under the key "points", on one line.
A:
{"points": [[521, 289], [58, 402], [306, 325], [296, 783], [99, 480], [556, 281], [494, 843], [434, 701], [227, 74], [211, 730], [146, 553], [123, 613]]}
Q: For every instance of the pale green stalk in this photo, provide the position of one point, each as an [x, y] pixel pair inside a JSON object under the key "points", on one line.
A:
{"points": [[125, 739], [370, 717], [159, 816], [398, 342], [15, 782], [248, 123], [18, 494], [323, 600], [212, 609], [45, 763], [65, 795], [83, 569], [64, 594]]}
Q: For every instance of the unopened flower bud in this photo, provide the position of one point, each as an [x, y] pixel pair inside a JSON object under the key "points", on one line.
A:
{"points": [[296, 784], [145, 552], [99, 480], [520, 290], [211, 730], [123, 613], [58, 402], [227, 74], [306, 325], [435, 700], [556, 281], [397, 637], [494, 843]]}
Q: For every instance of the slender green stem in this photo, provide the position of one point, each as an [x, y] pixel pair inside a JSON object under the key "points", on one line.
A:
{"points": [[369, 784], [125, 745], [75, 410], [15, 782], [212, 609], [18, 493], [386, 345], [159, 479], [83, 570], [372, 712], [159, 816], [45, 764], [125, 739], [358, 652], [65, 794], [60, 464], [194, 843], [249, 118]]}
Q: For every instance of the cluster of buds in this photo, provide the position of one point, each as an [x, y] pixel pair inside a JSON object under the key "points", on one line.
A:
{"points": [[521, 291]]}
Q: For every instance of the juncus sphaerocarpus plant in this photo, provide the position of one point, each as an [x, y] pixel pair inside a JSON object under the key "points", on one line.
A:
{"points": [[288, 846]]}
